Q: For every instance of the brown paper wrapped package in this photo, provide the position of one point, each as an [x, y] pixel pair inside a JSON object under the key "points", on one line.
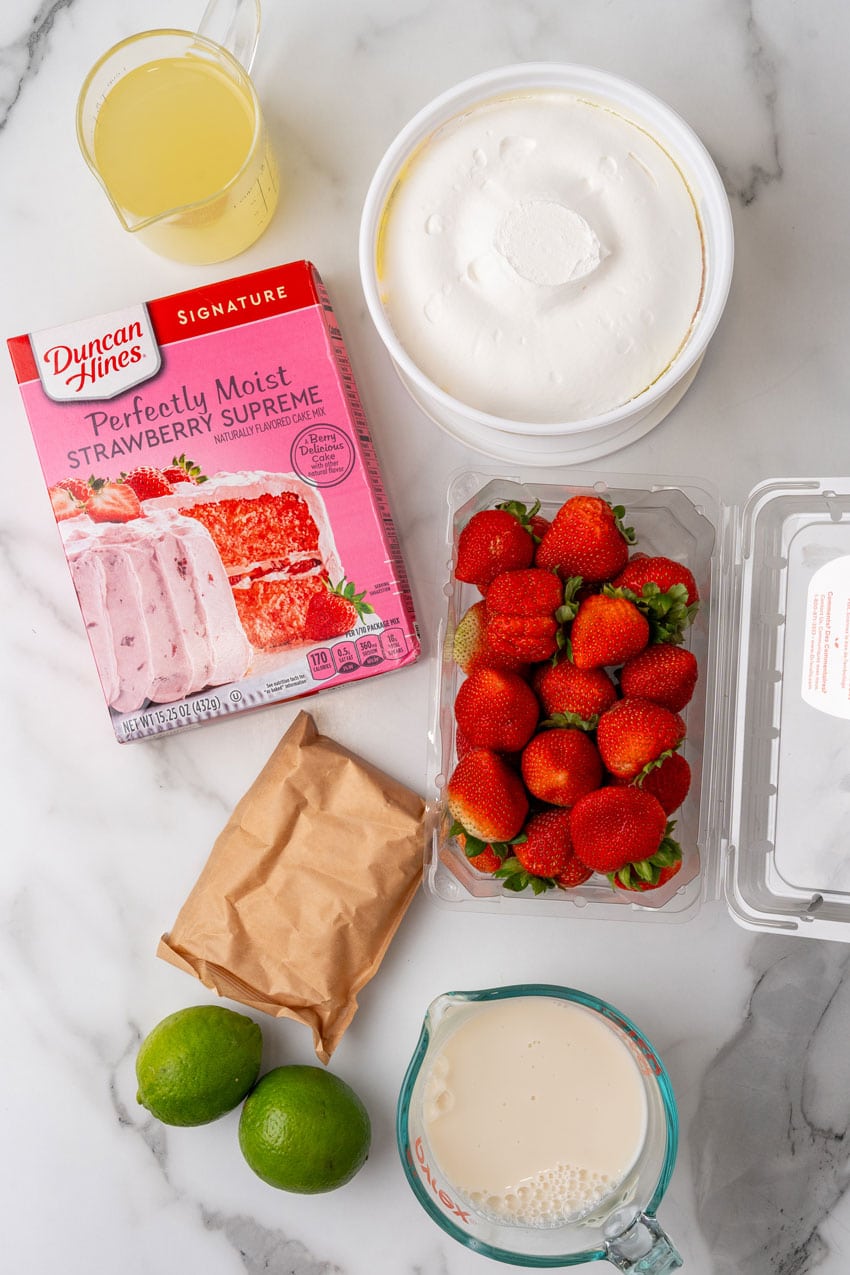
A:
{"points": [[305, 886]]}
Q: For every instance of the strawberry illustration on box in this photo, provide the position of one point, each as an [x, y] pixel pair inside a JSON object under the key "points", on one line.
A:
{"points": [[219, 500]]}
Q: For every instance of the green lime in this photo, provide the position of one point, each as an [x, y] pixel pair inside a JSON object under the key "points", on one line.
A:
{"points": [[197, 1064], [303, 1129]]}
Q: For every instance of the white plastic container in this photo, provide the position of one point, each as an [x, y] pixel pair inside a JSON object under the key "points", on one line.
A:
{"points": [[768, 728], [578, 440]]}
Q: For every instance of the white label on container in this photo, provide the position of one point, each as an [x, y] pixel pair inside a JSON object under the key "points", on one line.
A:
{"points": [[826, 658], [97, 358]]}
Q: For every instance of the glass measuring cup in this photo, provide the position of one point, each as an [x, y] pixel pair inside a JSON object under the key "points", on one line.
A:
{"points": [[170, 125], [619, 1224]]}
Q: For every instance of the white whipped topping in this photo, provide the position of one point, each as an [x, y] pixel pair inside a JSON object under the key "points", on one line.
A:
{"points": [[541, 258]]}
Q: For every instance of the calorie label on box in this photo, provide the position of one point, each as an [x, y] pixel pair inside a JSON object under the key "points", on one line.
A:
{"points": [[219, 500]]}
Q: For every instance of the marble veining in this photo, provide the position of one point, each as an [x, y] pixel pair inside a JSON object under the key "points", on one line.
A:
{"points": [[102, 843]]}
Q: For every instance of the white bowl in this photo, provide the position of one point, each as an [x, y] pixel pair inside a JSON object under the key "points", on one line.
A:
{"points": [[577, 440]]}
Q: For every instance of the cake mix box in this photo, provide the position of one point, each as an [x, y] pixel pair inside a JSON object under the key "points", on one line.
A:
{"points": [[218, 499]]}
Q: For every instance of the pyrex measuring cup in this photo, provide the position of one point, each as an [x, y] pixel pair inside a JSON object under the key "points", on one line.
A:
{"points": [[619, 1221], [169, 123]]}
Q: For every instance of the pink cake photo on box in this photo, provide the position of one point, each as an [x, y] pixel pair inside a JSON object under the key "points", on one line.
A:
{"points": [[274, 579]]}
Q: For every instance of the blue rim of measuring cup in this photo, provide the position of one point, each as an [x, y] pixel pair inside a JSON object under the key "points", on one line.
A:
{"points": [[563, 993]]}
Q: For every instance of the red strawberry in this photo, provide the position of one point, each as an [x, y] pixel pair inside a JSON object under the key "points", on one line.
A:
{"points": [[587, 539], [575, 873], [493, 540], [664, 572], [636, 882], [486, 860], [531, 639], [561, 765], [112, 502], [496, 709], [542, 855], [615, 827], [577, 695], [663, 673], [523, 610], [486, 797], [635, 734], [471, 649], [147, 482], [64, 502], [182, 470], [335, 611], [483, 857], [77, 487], [607, 630], [669, 782], [528, 592]]}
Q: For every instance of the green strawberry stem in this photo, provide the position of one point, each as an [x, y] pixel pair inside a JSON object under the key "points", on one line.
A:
{"points": [[628, 533], [572, 719], [668, 614], [515, 877], [522, 513], [648, 870], [474, 846]]}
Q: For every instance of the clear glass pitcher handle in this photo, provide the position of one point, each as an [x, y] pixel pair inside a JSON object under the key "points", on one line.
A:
{"points": [[643, 1249], [235, 25]]}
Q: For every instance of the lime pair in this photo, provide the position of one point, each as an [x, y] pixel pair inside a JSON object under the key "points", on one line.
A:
{"points": [[301, 1128]]}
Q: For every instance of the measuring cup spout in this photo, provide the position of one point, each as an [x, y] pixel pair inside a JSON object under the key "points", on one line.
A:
{"points": [[643, 1248], [235, 25]]}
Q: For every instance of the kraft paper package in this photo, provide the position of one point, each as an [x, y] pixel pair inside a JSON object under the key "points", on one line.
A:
{"points": [[304, 887]]}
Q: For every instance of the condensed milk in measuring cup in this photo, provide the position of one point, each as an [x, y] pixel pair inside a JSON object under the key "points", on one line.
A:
{"points": [[537, 1126]]}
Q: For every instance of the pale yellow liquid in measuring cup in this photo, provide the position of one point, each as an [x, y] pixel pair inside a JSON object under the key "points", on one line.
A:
{"points": [[172, 133], [534, 1110]]}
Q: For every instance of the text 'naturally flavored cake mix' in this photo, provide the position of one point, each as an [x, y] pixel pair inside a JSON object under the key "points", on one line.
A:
{"points": [[218, 499]]}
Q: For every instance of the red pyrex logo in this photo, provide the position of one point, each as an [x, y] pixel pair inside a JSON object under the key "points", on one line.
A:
{"points": [[426, 1174], [97, 358]]}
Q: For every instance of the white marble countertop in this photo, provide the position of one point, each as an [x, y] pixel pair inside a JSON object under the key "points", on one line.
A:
{"points": [[103, 843]]}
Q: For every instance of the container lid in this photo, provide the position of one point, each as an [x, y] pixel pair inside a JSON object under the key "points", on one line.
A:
{"points": [[786, 864]]}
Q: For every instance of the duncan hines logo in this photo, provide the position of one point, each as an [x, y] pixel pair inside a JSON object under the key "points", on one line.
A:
{"points": [[97, 358]]}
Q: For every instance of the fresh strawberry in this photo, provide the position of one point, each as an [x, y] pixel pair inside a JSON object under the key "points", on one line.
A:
{"points": [[560, 765], [525, 610], [147, 482], [471, 650], [636, 734], [335, 611], [493, 540], [622, 830], [576, 697], [486, 860], [663, 673], [587, 538], [112, 502], [527, 592], [462, 744], [607, 629], [484, 857], [663, 572], [542, 856], [635, 882], [575, 873], [486, 797], [666, 593], [64, 502], [78, 487], [669, 782], [496, 709], [183, 470]]}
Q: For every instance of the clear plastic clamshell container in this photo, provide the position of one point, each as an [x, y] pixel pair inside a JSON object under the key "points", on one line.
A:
{"points": [[768, 727]]}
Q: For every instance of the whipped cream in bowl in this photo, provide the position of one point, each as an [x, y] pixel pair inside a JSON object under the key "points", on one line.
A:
{"points": [[545, 252]]}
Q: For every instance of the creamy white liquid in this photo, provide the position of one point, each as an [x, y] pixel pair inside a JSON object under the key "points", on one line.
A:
{"points": [[534, 1109], [541, 258]]}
